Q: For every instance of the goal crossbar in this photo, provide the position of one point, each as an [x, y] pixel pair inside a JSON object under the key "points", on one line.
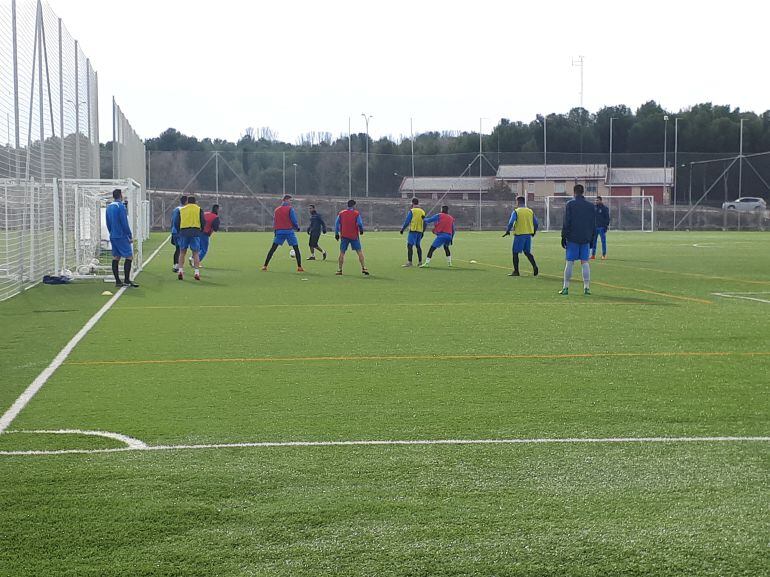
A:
{"points": [[628, 212]]}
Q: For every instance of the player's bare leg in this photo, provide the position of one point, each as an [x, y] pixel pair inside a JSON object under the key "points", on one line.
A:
{"points": [[196, 264], [363, 263], [180, 264], [340, 262]]}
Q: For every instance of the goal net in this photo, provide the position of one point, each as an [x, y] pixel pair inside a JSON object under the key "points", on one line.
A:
{"points": [[626, 212]]}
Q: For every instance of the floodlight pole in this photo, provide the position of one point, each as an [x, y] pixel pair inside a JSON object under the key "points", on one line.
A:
{"points": [[295, 178], [350, 164], [367, 118], [579, 63], [665, 149], [676, 162], [411, 131], [283, 155], [609, 176], [740, 163], [545, 153], [481, 154]]}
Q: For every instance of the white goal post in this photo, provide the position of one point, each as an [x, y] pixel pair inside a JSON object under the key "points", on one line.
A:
{"points": [[626, 212]]}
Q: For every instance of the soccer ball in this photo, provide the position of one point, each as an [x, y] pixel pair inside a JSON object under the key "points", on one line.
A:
{"points": [[292, 254]]}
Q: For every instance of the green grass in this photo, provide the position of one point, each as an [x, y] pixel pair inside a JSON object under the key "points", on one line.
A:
{"points": [[461, 353]]}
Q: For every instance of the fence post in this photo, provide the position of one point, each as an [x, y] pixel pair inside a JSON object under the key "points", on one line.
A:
{"points": [[56, 255]]}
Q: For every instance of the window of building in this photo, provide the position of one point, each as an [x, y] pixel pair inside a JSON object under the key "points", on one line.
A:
{"points": [[592, 187], [530, 186], [560, 187]]}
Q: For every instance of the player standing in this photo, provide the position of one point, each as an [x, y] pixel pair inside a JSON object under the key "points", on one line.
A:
{"points": [[315, 229], [348, 227], [444, 230], [524, 224], [602, 225], [121, 239], [189, 223], [210, 226], [577, 234], [415, 218], [175, 231], [284, 225]]}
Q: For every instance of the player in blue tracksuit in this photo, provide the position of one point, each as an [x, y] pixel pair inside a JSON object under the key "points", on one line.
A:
{"points": [[175, 230], [577, 235], [121, 238], [602, 225]]}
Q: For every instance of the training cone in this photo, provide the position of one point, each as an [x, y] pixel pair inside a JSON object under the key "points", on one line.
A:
{"points": [[106, 294]]}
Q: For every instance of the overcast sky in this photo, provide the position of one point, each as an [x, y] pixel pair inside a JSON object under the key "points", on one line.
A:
{"points": [[213, 68]]}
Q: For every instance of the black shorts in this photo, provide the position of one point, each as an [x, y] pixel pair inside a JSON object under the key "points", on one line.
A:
{"points": [[314, 236]]}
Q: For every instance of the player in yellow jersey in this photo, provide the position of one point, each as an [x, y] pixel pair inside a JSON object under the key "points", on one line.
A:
{"points": [[415, 220], [524, 224]]}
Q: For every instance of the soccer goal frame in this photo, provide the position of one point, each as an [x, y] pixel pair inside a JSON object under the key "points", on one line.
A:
{"points": [[640, 209]]}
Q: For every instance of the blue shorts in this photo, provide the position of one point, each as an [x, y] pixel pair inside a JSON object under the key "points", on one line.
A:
{"points": [[442, 239], [121, 248], [191, 242], [414, 238], [577, 251], [355, 244], [287, 236], [522, 243]]}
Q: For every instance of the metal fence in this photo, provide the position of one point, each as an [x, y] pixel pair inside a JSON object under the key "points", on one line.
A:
{"points": [[128, 154], [48, 97]]}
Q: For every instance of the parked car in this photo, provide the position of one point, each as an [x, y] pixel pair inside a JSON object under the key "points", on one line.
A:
{"points": [[745, 204]]}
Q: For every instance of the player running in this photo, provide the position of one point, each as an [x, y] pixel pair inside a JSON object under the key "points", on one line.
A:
{"points": [[189, 222], [285, 224], [602, 225], [444, 230], [415, 218], [524, 224], [348, 227], [315, 229], [121, 238], [175, 231], [210, 226], [577, 234]]}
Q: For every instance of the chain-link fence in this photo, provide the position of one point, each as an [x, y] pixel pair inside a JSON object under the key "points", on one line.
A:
{"points": [[128, 154], [48, 97]]}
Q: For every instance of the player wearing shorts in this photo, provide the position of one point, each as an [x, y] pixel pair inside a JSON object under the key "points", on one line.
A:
{"points": [[524, 224], [347, 229], [577, 235], [210, 226], [189, 223], [284, 225], [175, 232], [415, 222], [121, 239], [444, 230]]}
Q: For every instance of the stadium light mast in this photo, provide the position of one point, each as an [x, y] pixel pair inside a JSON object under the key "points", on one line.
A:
{"points": [[350, 163], [294, 164], [580, 62], [740, 163], [676, 161], [609, 176], [665, 148], [411, 131], [367, 118]]}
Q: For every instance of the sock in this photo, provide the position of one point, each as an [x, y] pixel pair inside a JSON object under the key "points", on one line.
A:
{"points": [[115, 270], [419, 254], [586, 275], [297, 255], [567, 273], [427, 260], [531, 259], [409, 252], [516, 262], [270, 254], [127, 269], [197, 271]]}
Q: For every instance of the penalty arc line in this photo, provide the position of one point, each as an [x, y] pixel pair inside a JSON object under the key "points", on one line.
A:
{"points": [[406, 442], [42, 378]]}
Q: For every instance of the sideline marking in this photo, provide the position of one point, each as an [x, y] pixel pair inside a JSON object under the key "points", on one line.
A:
{"points": [[614, 264], [479, 357], [130, 442], [43, 377], [743, 297], [268, 444], [615, 286]]}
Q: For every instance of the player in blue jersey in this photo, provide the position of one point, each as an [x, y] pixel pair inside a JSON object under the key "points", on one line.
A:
{"points": [[444, 230], [524, 224], [414, 221], [121, 239], [602, 226], [284, 225], [175, 231], [577, 235]]}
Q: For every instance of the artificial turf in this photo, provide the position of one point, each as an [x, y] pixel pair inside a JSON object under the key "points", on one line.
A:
{"points": [[406, 354]]}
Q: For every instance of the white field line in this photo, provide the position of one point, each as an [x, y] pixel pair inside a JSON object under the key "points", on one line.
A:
{"points": [[130, 442], [742, 297], [43, 377], [139, 446]]}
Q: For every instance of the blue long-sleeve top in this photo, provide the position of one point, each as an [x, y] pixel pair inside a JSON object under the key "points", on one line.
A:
{"points": [[513, 218], [434, 218], [602, 216], [175, 221], [317, 224], [117, 220], [407, 220]]}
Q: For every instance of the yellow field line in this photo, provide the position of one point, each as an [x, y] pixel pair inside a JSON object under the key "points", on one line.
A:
{"points": [[692, 274], [470, 357], [614, 286]]}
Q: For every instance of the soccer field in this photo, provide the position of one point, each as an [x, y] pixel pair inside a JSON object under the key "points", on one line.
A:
{"points": [[440, 421]]}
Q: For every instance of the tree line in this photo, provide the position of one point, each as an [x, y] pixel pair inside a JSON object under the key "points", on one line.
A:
{"points": [[259, 162]]}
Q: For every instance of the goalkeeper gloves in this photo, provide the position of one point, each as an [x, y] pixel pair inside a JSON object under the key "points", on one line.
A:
{"points": [[401, 231], [507, 233], [564, 242], [336, 236]]}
